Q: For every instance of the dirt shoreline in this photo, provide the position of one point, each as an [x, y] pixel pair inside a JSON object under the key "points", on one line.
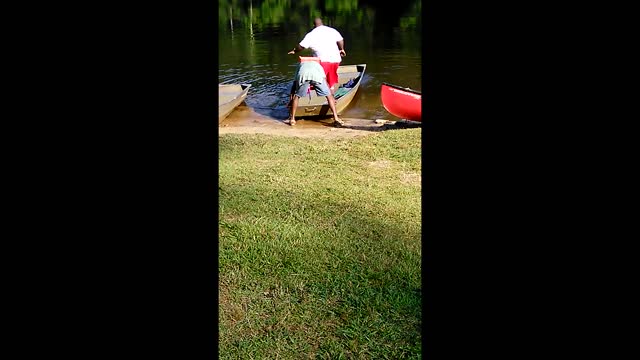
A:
{"points": [[244, 120]]}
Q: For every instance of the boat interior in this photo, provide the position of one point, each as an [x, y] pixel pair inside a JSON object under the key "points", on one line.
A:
{"points": [[345, 74]]}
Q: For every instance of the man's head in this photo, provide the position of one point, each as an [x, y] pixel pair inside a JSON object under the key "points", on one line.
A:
{"points": [[317, 22]]}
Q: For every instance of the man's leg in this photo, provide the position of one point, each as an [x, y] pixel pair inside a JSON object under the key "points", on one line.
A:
{"points": [[332, 106], [322, 89], [294, 107], [334, 77], [331, 74], [332, 88], [299, 92]]}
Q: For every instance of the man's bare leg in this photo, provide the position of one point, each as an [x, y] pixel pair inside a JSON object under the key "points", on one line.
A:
{"points": [[294, 107], [332, 106]]}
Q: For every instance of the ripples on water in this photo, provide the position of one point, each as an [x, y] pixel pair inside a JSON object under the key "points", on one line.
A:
{"points": [[269, 87], [262, 61]]}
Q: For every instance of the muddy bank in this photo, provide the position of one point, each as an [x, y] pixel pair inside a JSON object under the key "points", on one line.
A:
{"points": [[244, 120]]}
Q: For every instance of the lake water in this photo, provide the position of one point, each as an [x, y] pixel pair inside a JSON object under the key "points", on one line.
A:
{"points": [[255, 36]]}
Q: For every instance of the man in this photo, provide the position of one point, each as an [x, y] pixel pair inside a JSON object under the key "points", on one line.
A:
{"points": [[327, 44], [311, 73]]}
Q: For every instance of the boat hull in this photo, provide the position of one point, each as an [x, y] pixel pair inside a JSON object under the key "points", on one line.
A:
{"points": [[315, 105], [229, 97], [402, 102]]}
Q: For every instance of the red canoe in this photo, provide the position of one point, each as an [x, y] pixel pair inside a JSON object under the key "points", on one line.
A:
{"points": [[402, 102]]}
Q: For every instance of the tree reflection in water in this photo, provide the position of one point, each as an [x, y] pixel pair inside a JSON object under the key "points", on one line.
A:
{"points": [[296, 16]]}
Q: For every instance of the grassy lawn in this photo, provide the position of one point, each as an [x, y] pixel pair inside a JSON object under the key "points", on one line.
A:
{"points": [[319, 247]]}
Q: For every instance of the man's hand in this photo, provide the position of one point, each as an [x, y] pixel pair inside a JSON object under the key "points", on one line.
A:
{"points": [[291, 52], [343, 53]]}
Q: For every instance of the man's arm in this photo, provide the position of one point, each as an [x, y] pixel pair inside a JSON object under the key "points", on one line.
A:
{"points": [[341, 47], [296, 49]]}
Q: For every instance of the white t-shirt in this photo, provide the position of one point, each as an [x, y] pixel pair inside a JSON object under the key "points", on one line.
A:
{"points": [[322, 41]]}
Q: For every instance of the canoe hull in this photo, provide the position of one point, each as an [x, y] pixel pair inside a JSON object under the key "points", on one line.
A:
{"points": [[402, 102], [229, 97], [318, 105]]}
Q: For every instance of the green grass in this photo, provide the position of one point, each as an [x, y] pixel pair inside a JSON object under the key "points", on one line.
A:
{"points": [[320, 247]]}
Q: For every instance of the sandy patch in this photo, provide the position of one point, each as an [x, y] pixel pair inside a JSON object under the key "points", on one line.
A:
{"points": [[411, 179], [380, 164]]}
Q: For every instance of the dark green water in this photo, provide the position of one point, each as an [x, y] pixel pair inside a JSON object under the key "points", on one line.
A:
{"points": [[255, 36]]}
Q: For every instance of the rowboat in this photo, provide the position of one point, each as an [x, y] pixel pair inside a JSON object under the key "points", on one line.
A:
{"points": [[229, 97], [402, 102], [349, 80]]}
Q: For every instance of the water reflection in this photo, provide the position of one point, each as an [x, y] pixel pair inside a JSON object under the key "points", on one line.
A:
{"points": [[255, 36]]}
